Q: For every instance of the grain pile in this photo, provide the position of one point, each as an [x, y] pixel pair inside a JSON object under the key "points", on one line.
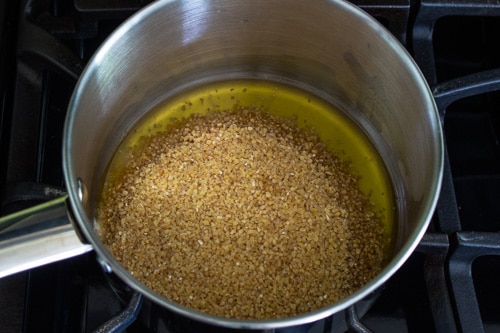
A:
{"points": [[240, 214]]}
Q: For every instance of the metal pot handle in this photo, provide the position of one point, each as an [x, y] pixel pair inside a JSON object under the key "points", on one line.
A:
{"points": [[37, 236]]}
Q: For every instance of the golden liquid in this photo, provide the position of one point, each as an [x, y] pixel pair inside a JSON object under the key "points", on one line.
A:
{"points": [[340, 134]]}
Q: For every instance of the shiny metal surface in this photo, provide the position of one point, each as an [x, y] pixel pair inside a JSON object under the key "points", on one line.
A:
{"points": [[328, 47], [38, 236]]}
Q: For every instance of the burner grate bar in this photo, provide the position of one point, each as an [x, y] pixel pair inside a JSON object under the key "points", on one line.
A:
{"points": [[468, 247], [46, 51], [479, 83], [447, 207], [435, 247], [429, 12]]}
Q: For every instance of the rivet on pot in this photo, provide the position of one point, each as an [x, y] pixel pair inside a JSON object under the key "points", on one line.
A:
{"points": [[105, 266], [81, 190]]}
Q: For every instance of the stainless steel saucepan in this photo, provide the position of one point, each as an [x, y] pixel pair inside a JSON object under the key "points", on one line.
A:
{"points": [[327, 46]]}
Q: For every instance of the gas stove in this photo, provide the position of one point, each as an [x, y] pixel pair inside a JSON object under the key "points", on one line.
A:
{"points": [[449, 284]]}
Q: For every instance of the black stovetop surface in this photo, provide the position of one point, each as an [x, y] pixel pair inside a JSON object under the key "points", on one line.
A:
{"points": [[448, 285]]}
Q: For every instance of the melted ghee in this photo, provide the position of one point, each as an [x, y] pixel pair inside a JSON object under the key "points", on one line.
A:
{"points": [[340, 133]]}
